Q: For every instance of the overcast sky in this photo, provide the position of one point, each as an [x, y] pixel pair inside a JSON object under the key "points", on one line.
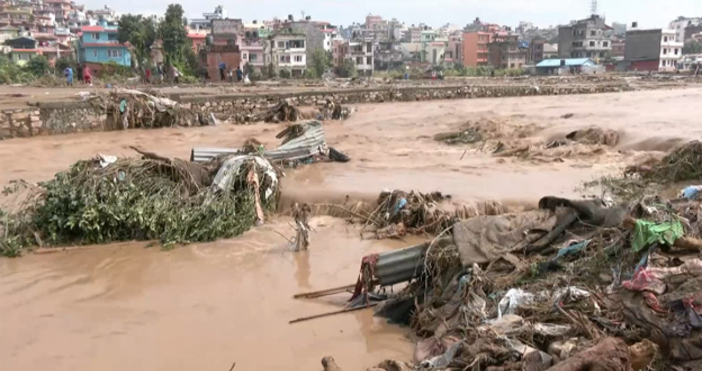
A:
{"points": [[543, 13]]}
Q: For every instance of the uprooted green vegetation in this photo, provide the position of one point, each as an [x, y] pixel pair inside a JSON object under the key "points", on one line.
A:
{"points": [[681, 165], [131, 199]]}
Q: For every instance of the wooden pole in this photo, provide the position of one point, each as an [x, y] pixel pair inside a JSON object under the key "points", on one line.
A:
{"points": [[333, 313], [327, 292]]}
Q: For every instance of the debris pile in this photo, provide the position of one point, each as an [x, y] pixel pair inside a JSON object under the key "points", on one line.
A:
{"points": [[302, 143], [574, 285], [151, 198], [397, 213], [284, 111], [505, 139], [682, 164], [128, 109]]}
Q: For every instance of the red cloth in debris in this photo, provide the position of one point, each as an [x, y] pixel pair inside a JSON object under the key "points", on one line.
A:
{"points": [[645, 280], [368, 262]]}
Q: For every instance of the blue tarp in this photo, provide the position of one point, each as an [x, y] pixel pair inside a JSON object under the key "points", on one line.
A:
{"points": [[570, 62]]}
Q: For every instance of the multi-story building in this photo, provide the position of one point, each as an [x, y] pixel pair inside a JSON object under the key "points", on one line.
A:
{"points": [[505, 51], [619, 47], [387, 56], [653, 50], [475, 48], [289, 52], [413, 35], [254, 52], [361, 53], [204, 23], [585, 38], [536, 51], [8, 32], [374, 22], [106, 14], [339, 51], [314, 32], [681, 24], [197, 40], [99, 45], [62, 9], [454, 52]]}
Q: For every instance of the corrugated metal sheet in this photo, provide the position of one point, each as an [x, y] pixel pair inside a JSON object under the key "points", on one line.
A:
{"points": [[405, 264], [207, 154], [311, 143], [400, 265]]}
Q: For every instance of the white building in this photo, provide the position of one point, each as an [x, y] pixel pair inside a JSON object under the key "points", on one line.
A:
{"points": [[329, 36], [290, 52], [680, 24], [671, 50], [204, 23]]}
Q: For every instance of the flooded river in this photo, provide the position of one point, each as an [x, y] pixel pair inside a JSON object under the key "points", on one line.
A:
{"points": [[203, 306], [207, 306]]}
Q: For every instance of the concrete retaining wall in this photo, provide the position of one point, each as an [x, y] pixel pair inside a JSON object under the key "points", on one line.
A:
{"points": [[55, 118]]}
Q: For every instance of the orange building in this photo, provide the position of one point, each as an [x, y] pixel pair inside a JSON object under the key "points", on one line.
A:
{"points": [[475, 48]]}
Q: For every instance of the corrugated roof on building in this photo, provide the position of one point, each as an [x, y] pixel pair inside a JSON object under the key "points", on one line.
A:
{"points": [[569, 62]]}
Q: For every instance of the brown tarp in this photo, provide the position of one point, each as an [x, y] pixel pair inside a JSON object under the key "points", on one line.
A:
{"points": [[487, 238]]}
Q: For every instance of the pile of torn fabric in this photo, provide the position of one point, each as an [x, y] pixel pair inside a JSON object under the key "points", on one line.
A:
{"points": [[542, 289]]}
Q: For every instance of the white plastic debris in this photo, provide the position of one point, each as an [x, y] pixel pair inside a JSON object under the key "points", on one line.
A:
{"points": [[106, 160], [512, 299], [570, 294], [550, 329]]}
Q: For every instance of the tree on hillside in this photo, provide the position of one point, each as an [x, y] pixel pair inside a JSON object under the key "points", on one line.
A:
{"points": [[692, 47], [321, 60], [140, 32], [173, 33]]}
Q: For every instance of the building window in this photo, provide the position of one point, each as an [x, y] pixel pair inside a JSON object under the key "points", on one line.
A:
{"points": [[511, 65], [605, 44], [253, 57], [114, 53], [593, 33], [665, 39], [298, 58], [359, 60], [592, 43], [369, 61], [676, 51], [245, 56], [369, 48], [23, 57], [665, 51], [95, 53], [281, 44], [95, 36]]}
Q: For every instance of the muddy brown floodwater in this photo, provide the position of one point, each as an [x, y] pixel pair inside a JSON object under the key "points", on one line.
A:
{"points": [[200, 307], [205, 306]]}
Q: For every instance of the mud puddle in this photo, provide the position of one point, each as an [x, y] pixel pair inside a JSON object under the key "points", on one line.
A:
{"points": [[203, 306]]}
